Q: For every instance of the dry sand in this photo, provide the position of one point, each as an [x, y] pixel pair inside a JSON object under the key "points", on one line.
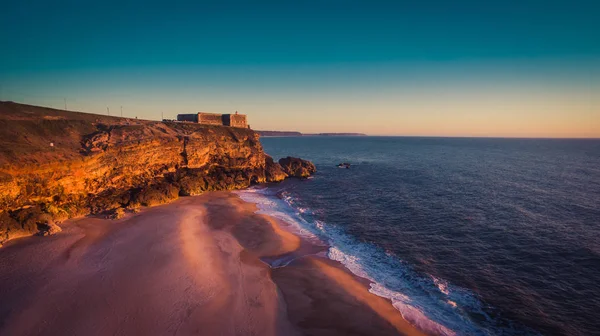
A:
{"points": [[192, 267]]}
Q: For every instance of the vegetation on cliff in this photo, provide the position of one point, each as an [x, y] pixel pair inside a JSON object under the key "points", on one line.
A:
{"points": [[55, 165]]}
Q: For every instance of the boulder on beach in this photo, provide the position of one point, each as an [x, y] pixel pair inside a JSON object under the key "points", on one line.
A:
{"points": [[46, 225]]}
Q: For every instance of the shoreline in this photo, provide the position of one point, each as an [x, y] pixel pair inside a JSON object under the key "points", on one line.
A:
{"points": [[170, 267]]}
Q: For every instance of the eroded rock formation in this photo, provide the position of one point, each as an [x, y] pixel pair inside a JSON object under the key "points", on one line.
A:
{"points": [[55, 165], [273, 170], [297, 167]]}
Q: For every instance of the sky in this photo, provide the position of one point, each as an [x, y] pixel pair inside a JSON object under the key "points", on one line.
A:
{"points": [[508, 68]]}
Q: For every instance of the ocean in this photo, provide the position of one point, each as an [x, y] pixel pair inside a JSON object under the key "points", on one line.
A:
{"points": [[466, 236]]}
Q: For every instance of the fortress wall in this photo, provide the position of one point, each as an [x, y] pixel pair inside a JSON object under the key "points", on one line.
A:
{"points": [[235, 120], [188, 117], [210, 119]]}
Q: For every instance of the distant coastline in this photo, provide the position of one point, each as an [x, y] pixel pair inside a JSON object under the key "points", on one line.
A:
{"points": [[295, 133]]}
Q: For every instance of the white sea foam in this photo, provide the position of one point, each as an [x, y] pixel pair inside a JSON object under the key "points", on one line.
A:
{"points": [[413, 315], [320, 225], [351, 262], [431, 304], [400, 301], [277, 208], [441, 284]]}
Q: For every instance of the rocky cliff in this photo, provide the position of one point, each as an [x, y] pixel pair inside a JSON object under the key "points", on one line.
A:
{"points": [[56, 165]]}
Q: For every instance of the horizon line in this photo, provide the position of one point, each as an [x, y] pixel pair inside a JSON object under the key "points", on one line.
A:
{"points": [[362, 133]]}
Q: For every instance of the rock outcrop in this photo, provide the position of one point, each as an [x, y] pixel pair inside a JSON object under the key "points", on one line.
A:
{"points": [[297, 167], [56, 165], [273, 170]]}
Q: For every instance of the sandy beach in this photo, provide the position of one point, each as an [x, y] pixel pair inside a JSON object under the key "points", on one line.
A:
{"points": [[197, 266]]}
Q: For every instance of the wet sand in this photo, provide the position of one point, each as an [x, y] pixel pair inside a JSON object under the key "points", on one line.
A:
{"points": [[197, 266]]}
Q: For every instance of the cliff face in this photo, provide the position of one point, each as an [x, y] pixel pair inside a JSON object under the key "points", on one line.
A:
{"points": [[56, 165]]}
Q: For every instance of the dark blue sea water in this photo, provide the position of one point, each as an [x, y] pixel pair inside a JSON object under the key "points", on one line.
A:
{"points": [[466, 236]]}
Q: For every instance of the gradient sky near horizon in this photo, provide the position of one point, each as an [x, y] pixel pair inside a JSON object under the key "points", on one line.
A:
{"points": [[434, 68]]}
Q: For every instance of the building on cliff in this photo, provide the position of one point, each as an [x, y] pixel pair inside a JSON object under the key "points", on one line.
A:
{"points": [[232, 120]]}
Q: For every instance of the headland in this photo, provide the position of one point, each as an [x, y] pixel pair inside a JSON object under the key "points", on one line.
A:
{"points": [[56, 165]]}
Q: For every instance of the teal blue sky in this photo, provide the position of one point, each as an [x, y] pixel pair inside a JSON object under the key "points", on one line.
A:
{"points": [[470, 68]]}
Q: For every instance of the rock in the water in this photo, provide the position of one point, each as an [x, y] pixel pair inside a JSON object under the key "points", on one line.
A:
{"points": [[297, 167], [273, 170]]}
